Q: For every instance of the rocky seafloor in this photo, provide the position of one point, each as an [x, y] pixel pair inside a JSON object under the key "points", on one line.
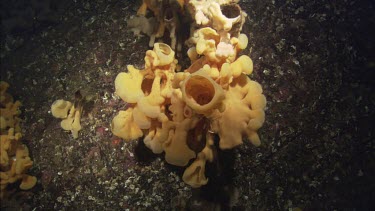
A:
{"points": [[314, 59]]}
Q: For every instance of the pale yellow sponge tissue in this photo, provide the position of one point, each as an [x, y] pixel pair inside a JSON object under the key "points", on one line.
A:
{"points": [[177, 106], [8, 145], [218, 14], [240, 42], [27, 182], [201, 93], [194, 175], [220, 21], [217, 47], [16, 169], [243, 114], [140, 119], [145, 91], [70, 114], [179, 113], [176, 149], [206, 40], [150, 104], [242, 65], [9, 110], [153, 140], [123, 126], [14, 156], [60, 108], [164, 54], [129, 85], [23, 161]]}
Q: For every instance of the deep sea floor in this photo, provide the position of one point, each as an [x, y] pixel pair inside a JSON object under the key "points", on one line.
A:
{"points": [[314, 59]]}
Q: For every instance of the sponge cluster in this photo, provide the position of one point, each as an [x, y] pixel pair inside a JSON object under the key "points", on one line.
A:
{"points": [[180, 113], [14, 156]]}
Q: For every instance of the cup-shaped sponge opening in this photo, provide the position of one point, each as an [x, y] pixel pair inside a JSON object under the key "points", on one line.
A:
{"points": [[200, 90], [165, 53], [230, 10], [201, 93]]}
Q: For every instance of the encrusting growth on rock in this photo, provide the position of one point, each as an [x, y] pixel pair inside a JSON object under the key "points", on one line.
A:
{"points": [[14, 156]]}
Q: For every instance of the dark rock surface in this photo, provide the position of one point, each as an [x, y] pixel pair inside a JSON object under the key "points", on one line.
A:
{"points": [[314, 59]]}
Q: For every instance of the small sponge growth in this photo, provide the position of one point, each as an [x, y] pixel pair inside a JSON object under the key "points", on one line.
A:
{"points": [[69, 113]]}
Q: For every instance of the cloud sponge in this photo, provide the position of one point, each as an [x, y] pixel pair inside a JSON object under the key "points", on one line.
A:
{"points": [[14, 156], [180, 113]]}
